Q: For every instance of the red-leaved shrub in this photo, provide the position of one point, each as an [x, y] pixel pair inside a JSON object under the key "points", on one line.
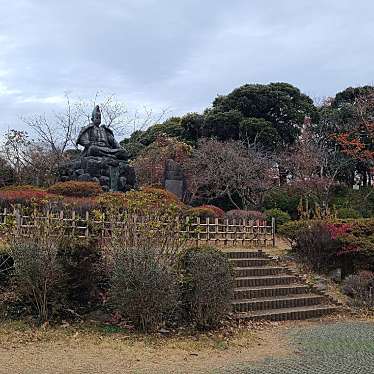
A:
{"points": [[218, 212], [76, 189], [9, 198]]}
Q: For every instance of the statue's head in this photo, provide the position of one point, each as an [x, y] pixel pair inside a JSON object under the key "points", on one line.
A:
{"points": [[96, 116]]}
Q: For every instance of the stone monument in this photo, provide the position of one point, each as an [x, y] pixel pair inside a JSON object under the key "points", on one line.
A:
{"points": [[102, 160], [174, 180]]}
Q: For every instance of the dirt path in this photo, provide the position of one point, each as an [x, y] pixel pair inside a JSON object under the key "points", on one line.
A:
{"points": [[29, 351]]}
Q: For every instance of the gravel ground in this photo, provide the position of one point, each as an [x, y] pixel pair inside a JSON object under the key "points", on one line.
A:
{"points": [[345, 347]]}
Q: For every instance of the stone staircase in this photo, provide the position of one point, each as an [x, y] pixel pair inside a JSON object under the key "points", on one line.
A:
{"points": [[266, 290]]}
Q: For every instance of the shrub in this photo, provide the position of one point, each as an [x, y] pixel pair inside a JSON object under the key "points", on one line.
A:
{"points": [[283, 198], [142, 260], [360, 287], [207, 286], [147, 201], [6, 264], [205, 211], [218, 212], [280, 217], [76, 189], [292, 229], [245, 214], [111, 201], [10, 198], [348, 213], [144, 286], [315, 246], [362, 200], [21, 187], [79, 204], [83, 269], [37, 271], [348, 244], [357, 245]]}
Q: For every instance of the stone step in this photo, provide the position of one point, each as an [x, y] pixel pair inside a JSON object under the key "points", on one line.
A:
{"points": [[269, 291], [283, 314], [278, 302], [258, 271], [265, 281], [249, 262], [247, 254]]}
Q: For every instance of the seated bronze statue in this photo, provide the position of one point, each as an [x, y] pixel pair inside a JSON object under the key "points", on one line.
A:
{"points": [[99, 140]]}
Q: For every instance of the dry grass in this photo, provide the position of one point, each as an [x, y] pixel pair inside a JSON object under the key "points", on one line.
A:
{"points": [[85, 348]]}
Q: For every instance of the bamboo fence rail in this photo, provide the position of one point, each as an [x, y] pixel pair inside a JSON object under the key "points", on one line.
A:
{"points": [[199, 231]]}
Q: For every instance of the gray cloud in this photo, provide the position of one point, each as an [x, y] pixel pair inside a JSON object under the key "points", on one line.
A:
{"points": [[177, 54]]}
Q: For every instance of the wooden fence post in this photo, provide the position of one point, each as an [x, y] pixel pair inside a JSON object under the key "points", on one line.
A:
{"points": [[273, 230], [198, 230], [18, 218], [87, 231]]}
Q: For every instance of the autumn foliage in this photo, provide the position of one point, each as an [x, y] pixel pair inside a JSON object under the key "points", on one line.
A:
{"points": [[76, 189], [358, 141]]}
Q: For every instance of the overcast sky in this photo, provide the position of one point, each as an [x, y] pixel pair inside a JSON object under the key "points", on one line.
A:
{"points": [[177, 54]]}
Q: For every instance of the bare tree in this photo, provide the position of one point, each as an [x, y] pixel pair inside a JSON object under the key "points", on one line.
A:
{"points": [[58, 131], [240, 173], [313, 165], [30, 162], [116, 115]]}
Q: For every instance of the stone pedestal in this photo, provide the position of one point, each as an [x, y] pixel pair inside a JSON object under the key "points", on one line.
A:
{"points": [[112, 174]]}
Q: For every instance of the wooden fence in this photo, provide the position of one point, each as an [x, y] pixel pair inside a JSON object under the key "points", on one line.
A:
{"points": [[199, 231]]}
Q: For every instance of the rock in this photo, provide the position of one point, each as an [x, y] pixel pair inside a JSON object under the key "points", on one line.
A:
{"points": [[79, 172], [122, 183], [99, 316], [336, 275], [84, 177], [175, 186], [174, 180], [101, 170], [321, 286], [93, 167], [104, 180], [77, 164]]}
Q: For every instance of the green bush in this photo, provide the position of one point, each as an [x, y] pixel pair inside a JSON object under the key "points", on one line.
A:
{"points": [[283, 199], [291, 229], [280, 217], [207, 286], [361, 201], [348, 213]]}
